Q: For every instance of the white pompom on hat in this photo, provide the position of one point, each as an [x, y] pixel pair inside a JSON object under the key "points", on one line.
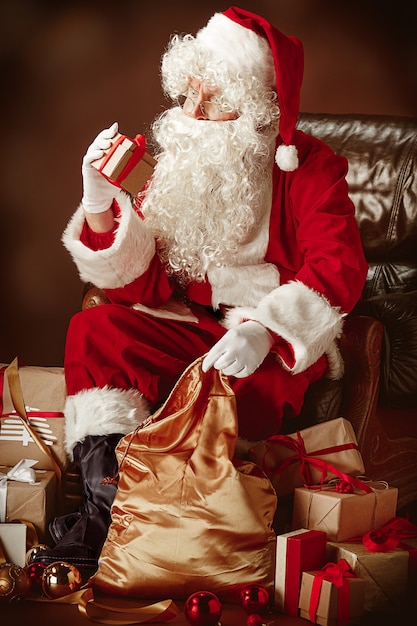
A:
{"points": [[238, 39]]}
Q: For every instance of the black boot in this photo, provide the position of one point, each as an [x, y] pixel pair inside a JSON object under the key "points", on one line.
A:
{"points": [[82, 534], [62, 524]]}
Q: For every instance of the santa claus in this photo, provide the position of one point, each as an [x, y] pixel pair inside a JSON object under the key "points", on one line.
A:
{"points": [[243, 247]]}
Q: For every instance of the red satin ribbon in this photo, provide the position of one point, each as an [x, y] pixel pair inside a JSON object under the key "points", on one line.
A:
{"points": [[390, 535], [337, 574], [308, 460]]}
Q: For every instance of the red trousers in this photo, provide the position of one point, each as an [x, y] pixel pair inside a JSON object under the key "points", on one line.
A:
{"points": [[117, 346]]}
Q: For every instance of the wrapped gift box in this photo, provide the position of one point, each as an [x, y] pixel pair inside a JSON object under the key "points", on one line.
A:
{"points": [[34, 503], [310, 456], [44, 394], [343, 515], [327, 613], [13, 543], [386, 573], [127, 163], [296, 552]]}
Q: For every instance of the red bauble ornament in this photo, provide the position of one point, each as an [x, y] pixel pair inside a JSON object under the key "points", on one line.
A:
{"points": [[59, 579], [254, 599], [203, 608], [14, 583], [254, 619], [35, 573]]}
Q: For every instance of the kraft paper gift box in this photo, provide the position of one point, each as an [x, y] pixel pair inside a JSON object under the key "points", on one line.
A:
{"points": [[329, 611], [33, 503], [13, 543], [310, 456], [127, 163], [44, 394], [296, 551], [386, 574], [343, 515]]}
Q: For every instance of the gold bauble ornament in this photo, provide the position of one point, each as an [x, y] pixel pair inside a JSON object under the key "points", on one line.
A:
{"points": [[34, 551], [14, 583], [59, 579]]}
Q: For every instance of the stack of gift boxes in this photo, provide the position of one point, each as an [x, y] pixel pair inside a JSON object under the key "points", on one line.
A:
{"points": [[29, 478], [346, 552]]}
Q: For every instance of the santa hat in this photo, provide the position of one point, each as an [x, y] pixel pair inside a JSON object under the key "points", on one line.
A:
{"points": [[237, 37]]}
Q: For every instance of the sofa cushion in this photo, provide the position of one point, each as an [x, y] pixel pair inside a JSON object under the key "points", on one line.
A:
{"points": [[398, 314], [382, 157]]}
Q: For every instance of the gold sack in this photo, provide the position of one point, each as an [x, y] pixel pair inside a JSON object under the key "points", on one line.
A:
{"points": [[187, 516]]}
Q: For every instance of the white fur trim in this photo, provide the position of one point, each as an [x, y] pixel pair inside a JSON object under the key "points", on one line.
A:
{"points": [[286, 157], [244, 285], [102, 411], [304, 318], [120, 264], [243, 51]]}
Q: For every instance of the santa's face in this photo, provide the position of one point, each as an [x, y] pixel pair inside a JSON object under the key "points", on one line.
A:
{"points": [[211, 184], [204, 102]]}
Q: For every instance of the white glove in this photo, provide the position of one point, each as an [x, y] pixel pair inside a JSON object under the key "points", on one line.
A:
{"points": [[98, 192], [241, 350]]}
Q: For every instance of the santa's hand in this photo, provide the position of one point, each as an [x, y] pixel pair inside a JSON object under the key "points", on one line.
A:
{"points": [[240, 351], [98, 193]]}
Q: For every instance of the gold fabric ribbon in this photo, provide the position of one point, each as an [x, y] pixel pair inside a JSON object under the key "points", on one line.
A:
{"points": [[116, 611], [121, 612]]}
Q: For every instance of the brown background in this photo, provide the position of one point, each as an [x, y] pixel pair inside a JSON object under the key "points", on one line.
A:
{"points": [[68, 69]]}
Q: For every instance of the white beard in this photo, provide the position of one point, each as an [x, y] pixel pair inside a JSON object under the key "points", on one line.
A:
{"points": [[209, 190]]}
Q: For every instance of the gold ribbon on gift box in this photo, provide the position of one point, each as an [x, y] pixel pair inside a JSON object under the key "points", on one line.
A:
{"points": [[16, 394]]}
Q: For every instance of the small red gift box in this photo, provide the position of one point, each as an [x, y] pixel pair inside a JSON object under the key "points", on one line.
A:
{"points": [[127, 164], [296, 552], [332, 596]]}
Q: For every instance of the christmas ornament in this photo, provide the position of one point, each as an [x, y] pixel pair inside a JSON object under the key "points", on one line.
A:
{"points": [[254, 599], [203, 608], [254, 619], [35, 573], [59, 579], [34, 551], [14, 583]]}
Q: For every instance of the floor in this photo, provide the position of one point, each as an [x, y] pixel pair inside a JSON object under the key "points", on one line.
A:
{"points": [[54, 613]]}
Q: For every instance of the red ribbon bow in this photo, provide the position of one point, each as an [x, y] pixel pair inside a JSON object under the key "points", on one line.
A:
{"points": [[337, 574], [308, 460], [390, 535]]}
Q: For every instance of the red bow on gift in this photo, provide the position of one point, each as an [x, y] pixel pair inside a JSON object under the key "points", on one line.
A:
{"points": [[308, 460], [390, 535], [337, 574]]}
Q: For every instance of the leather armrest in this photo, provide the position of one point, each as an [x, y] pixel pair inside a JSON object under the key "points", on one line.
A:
{"points": [[93, 296], [361, 348]]}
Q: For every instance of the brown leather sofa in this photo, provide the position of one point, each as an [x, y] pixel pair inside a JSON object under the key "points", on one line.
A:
{"points": [[378, 393], [379, 344]]}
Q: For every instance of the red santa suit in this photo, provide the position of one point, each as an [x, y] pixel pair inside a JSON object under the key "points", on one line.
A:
{"points": [[299, 275]]}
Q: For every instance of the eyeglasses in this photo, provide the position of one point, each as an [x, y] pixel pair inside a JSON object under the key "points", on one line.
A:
{"points": [[210, 110]]}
